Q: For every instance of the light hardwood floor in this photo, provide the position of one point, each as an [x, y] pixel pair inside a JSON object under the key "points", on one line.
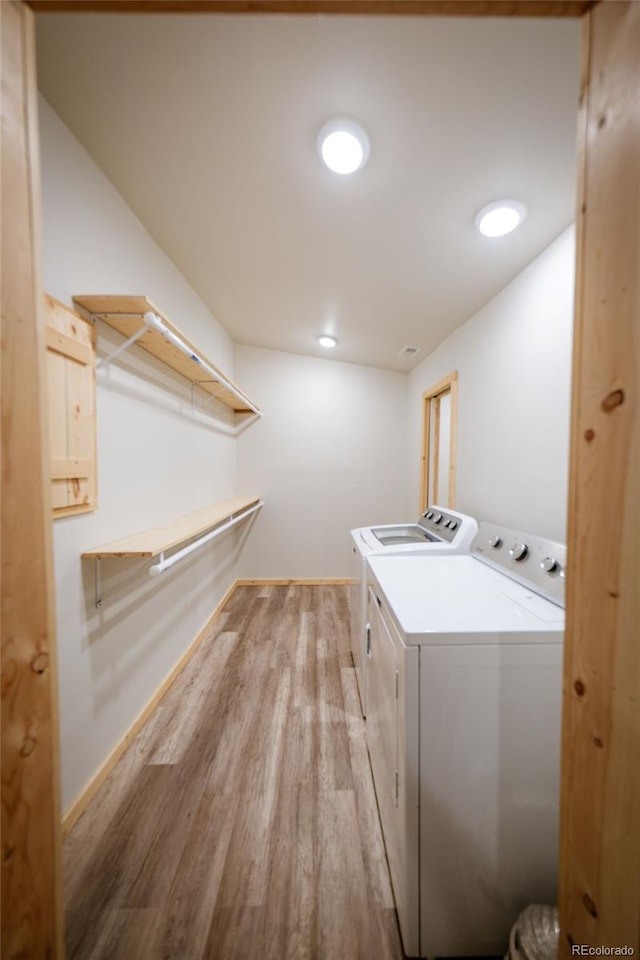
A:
{"points": [[241, 822]]}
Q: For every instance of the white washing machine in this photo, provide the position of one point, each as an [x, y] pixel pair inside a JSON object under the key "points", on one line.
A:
{"points": [[438, 531], [463, 730]]}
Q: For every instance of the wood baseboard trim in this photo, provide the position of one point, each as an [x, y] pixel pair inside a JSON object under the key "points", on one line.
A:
{"points": [[294, 582], [80, 804]]}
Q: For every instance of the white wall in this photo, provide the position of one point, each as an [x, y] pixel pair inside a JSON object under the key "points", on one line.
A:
{"points": [[156, 460], [514, 364], [328, 456]]}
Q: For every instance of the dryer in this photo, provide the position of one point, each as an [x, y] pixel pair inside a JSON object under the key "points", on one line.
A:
{"points": [[463, 731], [438, 531]]}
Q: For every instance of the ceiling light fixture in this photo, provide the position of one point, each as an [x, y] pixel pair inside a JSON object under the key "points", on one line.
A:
{"points": [[344, 146], [326, 341], [500, 218]]}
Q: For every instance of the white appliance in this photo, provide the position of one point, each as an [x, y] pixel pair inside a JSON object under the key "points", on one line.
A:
{"points": [[438, 531], [463, 730]]}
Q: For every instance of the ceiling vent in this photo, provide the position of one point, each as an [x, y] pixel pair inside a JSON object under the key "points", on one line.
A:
{"points": [[408, 352]]}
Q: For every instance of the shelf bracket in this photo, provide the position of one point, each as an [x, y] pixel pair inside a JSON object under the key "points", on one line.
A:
{"points": [[98, 583], [248, 416], [127, 343], [207, 399]]}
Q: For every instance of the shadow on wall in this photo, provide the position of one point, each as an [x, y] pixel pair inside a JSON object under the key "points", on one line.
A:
{"points": [[118, 635], [172, 393]]}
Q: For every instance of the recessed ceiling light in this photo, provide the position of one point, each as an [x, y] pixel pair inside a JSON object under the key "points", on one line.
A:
{"points": [[344, 146], [499, 218], [326, 341]]}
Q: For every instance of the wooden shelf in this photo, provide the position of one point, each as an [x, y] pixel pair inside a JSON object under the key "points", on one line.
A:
{"points": [[126, 315], [155, 540]]}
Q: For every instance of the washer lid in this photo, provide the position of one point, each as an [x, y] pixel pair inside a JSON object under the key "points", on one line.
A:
{"points": [[457, 599], [439, 530]]}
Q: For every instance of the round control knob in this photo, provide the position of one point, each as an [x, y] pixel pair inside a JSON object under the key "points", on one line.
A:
{"points": [[549, 564], [437, 518], [447, 523], [429, 514], [518, 551], [453, 524], [495, 542]]}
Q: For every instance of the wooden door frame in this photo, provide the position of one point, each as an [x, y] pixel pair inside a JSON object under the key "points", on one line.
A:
{"points": [[31, 901], [600, 791], [448, 384], [600, 727]]}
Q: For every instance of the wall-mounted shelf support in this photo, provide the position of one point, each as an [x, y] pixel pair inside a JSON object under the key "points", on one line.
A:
{"points": [[203, 403], [157, 568], [98, 582], [128, 343]]}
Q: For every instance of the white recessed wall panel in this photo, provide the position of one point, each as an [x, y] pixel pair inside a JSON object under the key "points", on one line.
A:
{"points": [[329, 455], [514, 363], [157, 459]]}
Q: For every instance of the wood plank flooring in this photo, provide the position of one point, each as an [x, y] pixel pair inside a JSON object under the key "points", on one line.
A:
{"points": [[242, 822]]}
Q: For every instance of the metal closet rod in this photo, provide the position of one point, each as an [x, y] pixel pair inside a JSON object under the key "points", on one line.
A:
{"points": [[157, 568], [152, 320]]}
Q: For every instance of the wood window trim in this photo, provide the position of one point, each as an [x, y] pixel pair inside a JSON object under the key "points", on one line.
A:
{"points": [[448, 384]]}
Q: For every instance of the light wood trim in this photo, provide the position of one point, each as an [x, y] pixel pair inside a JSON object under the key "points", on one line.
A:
{"points": [[425, 456], [32, 924], [448, 383], [67, 346], [296, 581], [80, 804], [434, 8], [71, 511], [126, 315], [155, 540], [436, 445], [453, 443], [600, 819], [70, 469], [71, 409], [441, 386]]}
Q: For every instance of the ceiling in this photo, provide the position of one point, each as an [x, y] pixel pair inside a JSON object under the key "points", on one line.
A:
{"points": [[207, 126]]}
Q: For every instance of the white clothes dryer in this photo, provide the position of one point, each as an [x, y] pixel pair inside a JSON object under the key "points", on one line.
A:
{"points": [[438, 531], [463, 731]]}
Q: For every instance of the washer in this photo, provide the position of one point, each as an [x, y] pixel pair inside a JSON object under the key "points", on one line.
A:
{"points": [[463, 730], [438, 531]]}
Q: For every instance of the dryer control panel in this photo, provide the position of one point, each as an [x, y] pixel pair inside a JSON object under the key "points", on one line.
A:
{"points": [[535, 562]]}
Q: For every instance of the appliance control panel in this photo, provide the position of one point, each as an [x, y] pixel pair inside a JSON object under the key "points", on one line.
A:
{"points": [[444, 524], [534, 562]]}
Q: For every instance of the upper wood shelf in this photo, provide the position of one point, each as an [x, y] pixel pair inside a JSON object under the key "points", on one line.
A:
{"points": [[126, 315], [155, 540]]}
